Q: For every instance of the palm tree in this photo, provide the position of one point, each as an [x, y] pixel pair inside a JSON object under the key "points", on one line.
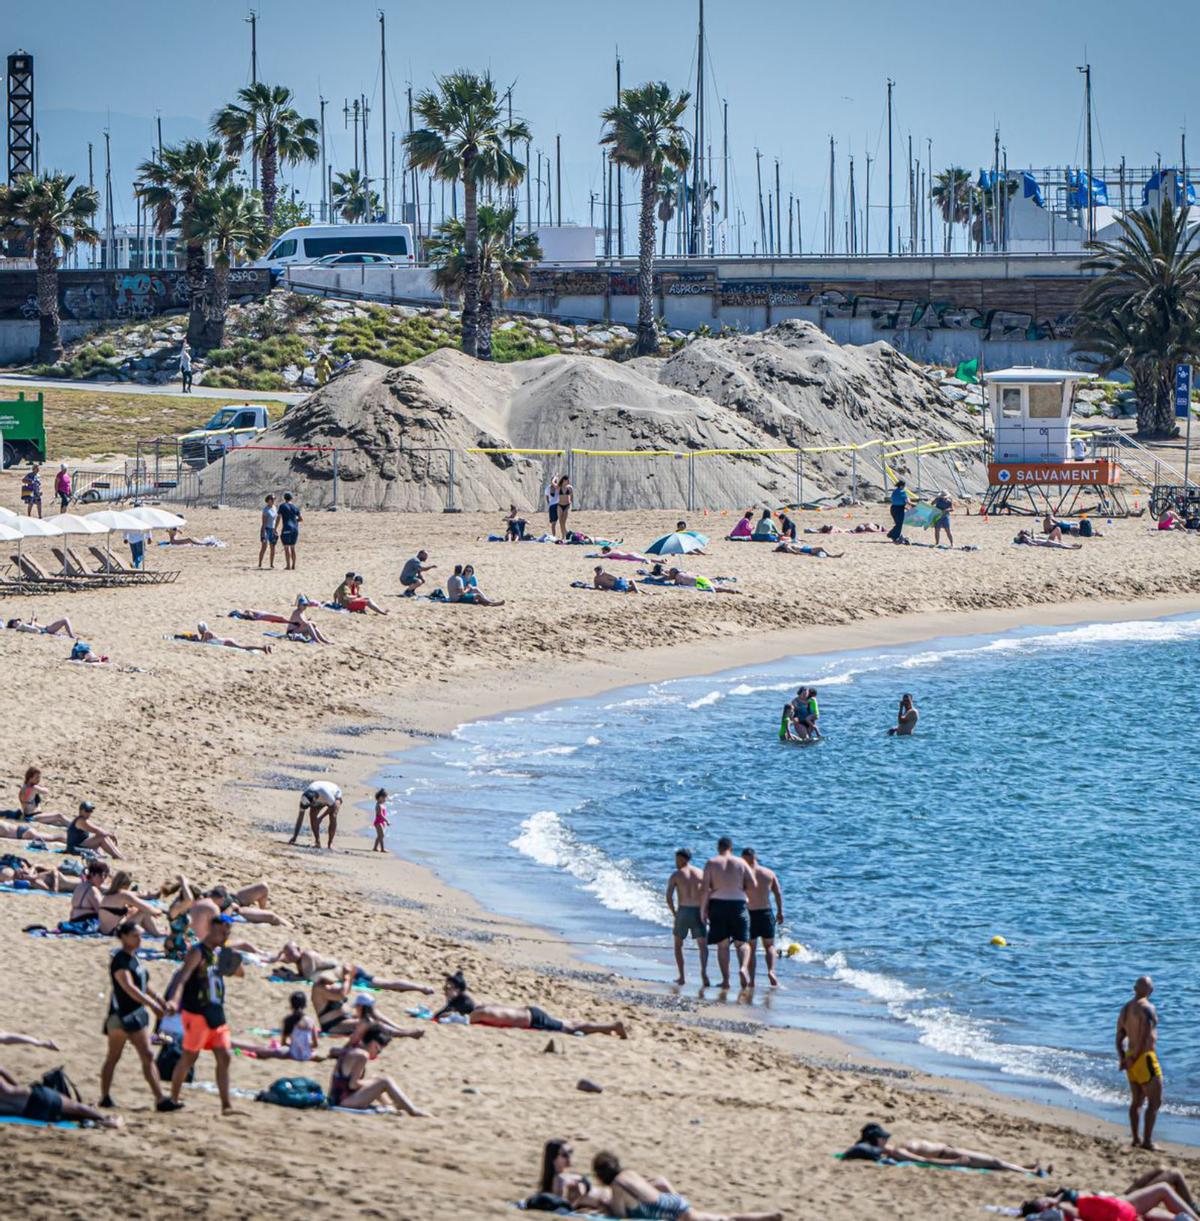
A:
{"points": [[47, 209], [956, 196], [264, 120], [171, 185], [505, 263], [1142, 312], [466, 136], [231, 220], [668, 199], [644, 131], [353, 198]]}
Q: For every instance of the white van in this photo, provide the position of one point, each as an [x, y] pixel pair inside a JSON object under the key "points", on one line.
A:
{"points": [[307, 243]]}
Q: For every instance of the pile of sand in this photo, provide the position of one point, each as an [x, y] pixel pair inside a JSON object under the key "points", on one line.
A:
{"points": [[789, 386]]}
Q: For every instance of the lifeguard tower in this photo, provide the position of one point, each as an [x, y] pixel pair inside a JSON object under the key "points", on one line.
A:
{"points": [[1033, 470]]}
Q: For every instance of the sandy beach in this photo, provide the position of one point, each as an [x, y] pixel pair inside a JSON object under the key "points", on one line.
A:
{"points": [[195, 756]]}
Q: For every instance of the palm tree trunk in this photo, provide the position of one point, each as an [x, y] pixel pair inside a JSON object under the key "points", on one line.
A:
{"points": [[647, 336], [1154, 388], [270, 189], [483, 347], [471, 266], [50, 348], [197, 295], [218, 303]]}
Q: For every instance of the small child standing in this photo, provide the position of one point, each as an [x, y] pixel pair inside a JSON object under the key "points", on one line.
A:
{"points": [[381, 820]]}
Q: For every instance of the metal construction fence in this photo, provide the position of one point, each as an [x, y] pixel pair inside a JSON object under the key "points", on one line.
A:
{"points": [[432, 479]]}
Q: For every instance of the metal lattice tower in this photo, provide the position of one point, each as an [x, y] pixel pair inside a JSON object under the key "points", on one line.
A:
{"points": [[20, 115]]}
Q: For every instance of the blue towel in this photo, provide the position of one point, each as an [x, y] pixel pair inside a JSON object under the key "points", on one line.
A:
{"points": [[37, 1123]]}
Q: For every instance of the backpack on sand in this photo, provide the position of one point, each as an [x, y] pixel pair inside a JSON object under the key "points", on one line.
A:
{"points": [[303, 1093]]}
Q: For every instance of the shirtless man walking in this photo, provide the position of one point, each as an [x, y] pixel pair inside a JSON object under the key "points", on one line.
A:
{"points": [[1137, 1042], [683, 887], [763, 923], [724, 889]]}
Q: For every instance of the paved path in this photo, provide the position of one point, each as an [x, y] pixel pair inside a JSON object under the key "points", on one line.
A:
{"points": [[171, 388]]}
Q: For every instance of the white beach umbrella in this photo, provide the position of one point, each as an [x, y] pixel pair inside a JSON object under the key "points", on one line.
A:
{"points": [[158, 519], [117, 519], [72, 523], [8, 534], [34, 527], [7, 515]]}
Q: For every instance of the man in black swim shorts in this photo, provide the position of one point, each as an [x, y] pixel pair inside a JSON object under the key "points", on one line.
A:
{"points": [[727, 884], [539, 1019], [44, 1105]]}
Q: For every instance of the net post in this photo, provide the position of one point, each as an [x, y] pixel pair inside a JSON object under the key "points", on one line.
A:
{"points": [[334, 505], [691, 483], [221, 493], [451, 505], [854, 474]]}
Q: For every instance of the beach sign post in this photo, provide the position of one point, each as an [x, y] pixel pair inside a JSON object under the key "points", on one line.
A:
{"points": [[1183, 410]]}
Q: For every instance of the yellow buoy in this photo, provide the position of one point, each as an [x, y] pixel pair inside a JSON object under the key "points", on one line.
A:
{"points": [[998, 940], [794, 949]]}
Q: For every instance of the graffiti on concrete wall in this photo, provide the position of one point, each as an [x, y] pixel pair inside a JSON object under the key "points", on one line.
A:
{"points": [[101, 296]]}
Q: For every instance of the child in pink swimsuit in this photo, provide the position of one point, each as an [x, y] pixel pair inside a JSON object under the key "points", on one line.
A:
{"points": [[381, 820]]}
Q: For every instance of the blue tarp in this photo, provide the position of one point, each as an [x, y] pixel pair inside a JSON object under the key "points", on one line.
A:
{"points": [[1078, 193], [1032, 190], [1155, 184]]}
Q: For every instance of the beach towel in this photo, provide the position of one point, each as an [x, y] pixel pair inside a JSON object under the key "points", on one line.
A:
{"points": [[40, 1123], [27, 888], [922, 515], [292, 637]]}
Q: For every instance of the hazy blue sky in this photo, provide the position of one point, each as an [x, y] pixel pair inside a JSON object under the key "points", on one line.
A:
{"points": [[794, 73]]}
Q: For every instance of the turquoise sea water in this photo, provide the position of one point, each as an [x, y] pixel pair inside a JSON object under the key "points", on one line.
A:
{"points": [[1048, 796]]}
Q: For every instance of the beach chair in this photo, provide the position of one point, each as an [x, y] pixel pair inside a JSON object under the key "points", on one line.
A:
{"points": [[110, 564], [74, 568], [31, 575]]}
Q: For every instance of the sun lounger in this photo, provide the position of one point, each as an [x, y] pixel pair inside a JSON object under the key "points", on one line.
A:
{"points": [[74, 569], [110, 564], [31, 575]]}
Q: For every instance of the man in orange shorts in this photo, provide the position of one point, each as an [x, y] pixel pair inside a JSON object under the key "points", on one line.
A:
{"points": [[199, 991], [1137, 1054]]}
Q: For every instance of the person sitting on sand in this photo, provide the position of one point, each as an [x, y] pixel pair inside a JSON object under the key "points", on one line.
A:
{"points": [[60, 627], [349, 594], [175, 539], [339, 1011], [205, 636], [1159, 1193], [301, 1034], [1170, 520], [745, 528], [301, 626], [514, 526], [875, 1145], [458, 588], [906, 718], [129, 1007], [617, 585], [818, 553], [191, 915], [88, 895], [557, 1177], [44, 1105], [29, 800], [351, 1089], [83, 833], [765, 528], [459, 1000], [120, 904], [634, 1196], [787, 527], [689, 580], [1027, 538]]}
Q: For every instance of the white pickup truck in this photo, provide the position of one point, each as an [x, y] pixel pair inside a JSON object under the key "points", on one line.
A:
{"points": [[237, 424]]}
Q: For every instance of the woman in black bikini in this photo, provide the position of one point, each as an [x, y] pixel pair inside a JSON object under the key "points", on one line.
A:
{"points": [[351, 1089], [87, 897], [330, 998], [29, 798], [121, 904]]}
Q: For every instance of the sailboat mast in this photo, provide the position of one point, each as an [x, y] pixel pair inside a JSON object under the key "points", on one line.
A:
{"points": [[697, 225], [383, 84], [891, 227], [617, 170]]}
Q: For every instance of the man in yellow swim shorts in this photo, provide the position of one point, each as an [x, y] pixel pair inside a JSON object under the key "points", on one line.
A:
{"points": [[1137, 1042]]}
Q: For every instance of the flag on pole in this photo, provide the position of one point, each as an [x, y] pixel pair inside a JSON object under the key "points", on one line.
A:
{"points": [[968, 371]]}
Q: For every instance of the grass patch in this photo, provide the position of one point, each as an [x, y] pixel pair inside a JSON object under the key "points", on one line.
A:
{"points": [[84, 422]]}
